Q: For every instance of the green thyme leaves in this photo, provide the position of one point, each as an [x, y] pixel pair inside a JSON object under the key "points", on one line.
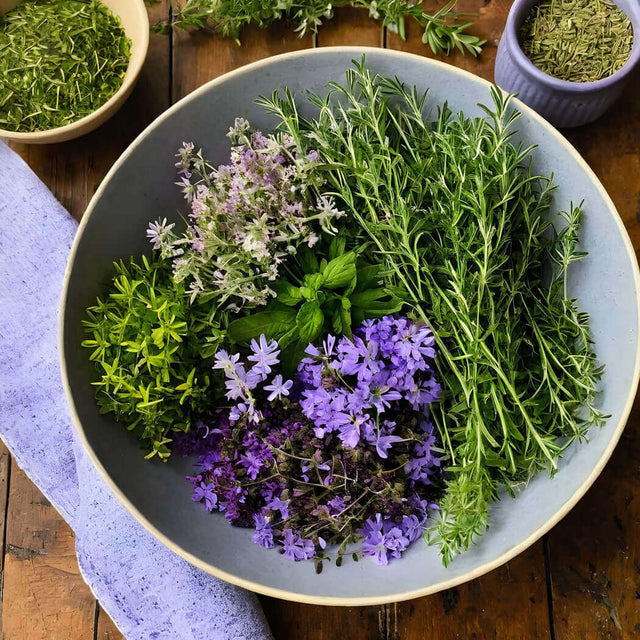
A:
{"points": [[153, 353], [60, 60], [577, 40]]}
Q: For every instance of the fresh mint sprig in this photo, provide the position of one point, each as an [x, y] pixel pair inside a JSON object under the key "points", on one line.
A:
{"points": [[329, 297]]}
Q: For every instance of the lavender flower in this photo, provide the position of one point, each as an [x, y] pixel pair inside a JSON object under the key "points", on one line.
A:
{"points": [[294, 547], [205, 492], [264, 532], [278, 388]]}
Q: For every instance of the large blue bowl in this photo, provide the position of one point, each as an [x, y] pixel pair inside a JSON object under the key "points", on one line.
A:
{"points": [[140, 187]]}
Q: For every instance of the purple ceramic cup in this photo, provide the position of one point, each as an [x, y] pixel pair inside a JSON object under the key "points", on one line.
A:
{"points": [[562, 103]]}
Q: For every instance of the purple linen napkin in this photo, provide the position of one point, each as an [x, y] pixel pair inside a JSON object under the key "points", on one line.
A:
{"points": [[150, 592]]}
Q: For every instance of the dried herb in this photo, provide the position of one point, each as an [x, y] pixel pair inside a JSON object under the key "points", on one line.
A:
{"points": [[60, 60], [444, 30], [577, 40]]}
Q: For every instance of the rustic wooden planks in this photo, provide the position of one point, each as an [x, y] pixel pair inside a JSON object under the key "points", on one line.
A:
{"points": [[106, 629], [488, 17], [200, 57], [5, 474], [44, 596], [508, 603], [350, 27]]}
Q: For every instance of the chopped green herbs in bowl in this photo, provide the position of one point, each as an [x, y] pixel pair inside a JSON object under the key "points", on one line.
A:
{"points": [[378, 336], [65, 63]]}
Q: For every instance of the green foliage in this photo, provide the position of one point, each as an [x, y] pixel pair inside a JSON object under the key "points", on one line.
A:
{"points": [[463, 225], [443, 30], [153, 353], [329, 296]]}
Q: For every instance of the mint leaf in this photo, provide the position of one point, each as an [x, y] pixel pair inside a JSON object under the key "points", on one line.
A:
{"points": [[368, 276], [309, 322], [287, 293], [314, 281], [336, 248], [274, 325], [340, 271]]}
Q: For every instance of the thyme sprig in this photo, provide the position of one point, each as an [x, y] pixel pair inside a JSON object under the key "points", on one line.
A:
{"points": [[153, 353], [456, 213], [444, 31]]}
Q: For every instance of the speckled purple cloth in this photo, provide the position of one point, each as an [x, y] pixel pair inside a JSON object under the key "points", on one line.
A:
{"points": [[148, 590]]}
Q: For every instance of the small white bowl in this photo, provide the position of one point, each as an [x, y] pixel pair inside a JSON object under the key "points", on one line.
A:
{"points": [[134, 18]]}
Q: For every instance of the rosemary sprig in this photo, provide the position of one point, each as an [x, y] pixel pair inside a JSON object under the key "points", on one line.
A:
{"points": [[60, 60], [577, 40], [455, 212], [444, 30]]}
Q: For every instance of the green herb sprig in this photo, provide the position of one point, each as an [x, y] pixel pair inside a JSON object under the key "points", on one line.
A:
{"points": [[462, 223], [577, 40], [153, 353], [332, 295], [444, 30], [60, 60]]}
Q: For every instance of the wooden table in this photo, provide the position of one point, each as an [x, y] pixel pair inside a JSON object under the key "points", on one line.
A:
{"points": [[581, 581]]}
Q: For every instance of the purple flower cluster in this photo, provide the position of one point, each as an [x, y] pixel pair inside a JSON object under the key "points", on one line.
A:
{"points": [[241, 382], [353, 386], [344, 453], [385, 538]]}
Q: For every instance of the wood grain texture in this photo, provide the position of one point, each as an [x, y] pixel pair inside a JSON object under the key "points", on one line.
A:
{"points": [[292, 621], [44, 596], [488, 16], [199, 57], [106, 629], [350, 27], [509, 603], [5, 477]]}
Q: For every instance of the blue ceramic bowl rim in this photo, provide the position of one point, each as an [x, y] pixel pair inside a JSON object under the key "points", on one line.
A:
{"points": [[517, 14], [290, 594]]}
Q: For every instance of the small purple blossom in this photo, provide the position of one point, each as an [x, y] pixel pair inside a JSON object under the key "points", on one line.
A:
{"points": [[264, 532], [296, 548], [278, 388], [205, 492], [265, 355]]}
